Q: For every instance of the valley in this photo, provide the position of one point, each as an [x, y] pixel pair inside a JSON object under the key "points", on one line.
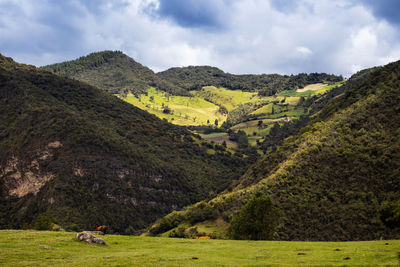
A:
{"points": [[305, 146], [199, 133]]}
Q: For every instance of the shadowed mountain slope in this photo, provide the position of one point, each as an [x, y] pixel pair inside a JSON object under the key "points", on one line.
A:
{"points": [[74, 152]]}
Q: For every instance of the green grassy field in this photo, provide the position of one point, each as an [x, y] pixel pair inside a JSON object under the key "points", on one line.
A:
{"points": [[230, 99], [310, 90], [27, 248], [185, 110]]}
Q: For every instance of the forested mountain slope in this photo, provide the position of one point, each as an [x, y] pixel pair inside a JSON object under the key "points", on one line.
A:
{"points": [[75, 153], [330, 179], [114, 72], [195, 77]]}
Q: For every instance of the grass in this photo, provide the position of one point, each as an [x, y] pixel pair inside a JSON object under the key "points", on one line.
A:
{"points": [[230, 99], [185, 110], [25, 248], [310, 90], [291, 113], [312, 87]]}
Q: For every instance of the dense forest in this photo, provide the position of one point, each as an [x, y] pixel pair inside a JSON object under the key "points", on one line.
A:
{"points": [[195, 77], [76, 154], [335, 178], [115, 73]]}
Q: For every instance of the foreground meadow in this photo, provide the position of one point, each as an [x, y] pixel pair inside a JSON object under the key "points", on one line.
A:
{"points": [[40, 248]]}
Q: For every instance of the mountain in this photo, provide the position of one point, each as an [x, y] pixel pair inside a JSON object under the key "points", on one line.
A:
{"points": [[75, 153], [330, 181], [196, 77], [114, 72]]}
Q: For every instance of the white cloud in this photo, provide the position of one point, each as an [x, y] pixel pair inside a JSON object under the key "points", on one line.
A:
{"points": [[314, 36]]}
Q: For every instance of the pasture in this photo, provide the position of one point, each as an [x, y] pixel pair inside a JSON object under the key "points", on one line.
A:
{"points": [[183, 110], [41, 248], [230, 99]]}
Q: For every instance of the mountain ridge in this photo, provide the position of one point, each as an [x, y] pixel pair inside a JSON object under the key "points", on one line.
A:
{"points": [[114, 72]]}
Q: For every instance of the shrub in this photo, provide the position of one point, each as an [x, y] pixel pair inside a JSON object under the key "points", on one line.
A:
{"points": [[73, 227], [201, 212], [170, 221], [178, 233], [257, 219], [43, 223]]}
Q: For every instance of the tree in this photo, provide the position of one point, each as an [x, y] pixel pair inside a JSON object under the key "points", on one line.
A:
{"points": [[216, 123], [257, 219], [167, 110], [242, 139], [390, 214]]}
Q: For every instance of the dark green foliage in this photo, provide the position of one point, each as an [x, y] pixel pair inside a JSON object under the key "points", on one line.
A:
{"points": [[200, 212], [178, 233], [43, 223], [167, 110], [195, 77], [115, 73], [117, 165], [165, 224], [240, 137], [390, 213], [257, 219]]}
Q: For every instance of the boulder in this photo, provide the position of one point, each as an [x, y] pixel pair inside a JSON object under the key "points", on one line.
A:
{"points": [[97, 232], [89, 238]]}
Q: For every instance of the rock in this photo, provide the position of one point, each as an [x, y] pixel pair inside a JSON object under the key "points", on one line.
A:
{"points": [[89, 238], [46, 247], [97, 232], [99, 241]]}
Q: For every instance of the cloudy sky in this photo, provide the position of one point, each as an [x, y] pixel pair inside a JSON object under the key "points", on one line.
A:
{"points": [[238, 36]]}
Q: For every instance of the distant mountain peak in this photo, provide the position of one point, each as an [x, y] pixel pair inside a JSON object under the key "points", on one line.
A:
{"points": [[114, 72]]}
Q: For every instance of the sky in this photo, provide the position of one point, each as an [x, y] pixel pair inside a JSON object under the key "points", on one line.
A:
{"points": [[237, 36]]}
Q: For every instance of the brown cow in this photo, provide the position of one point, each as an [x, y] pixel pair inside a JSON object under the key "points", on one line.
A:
{"points": [[101, 228]]}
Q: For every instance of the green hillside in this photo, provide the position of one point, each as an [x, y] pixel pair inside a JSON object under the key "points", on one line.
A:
{"points": [[113, 72], [40, 248], [196, 77], [330, 180], [77, 154], [179, 110], [202, 95]]}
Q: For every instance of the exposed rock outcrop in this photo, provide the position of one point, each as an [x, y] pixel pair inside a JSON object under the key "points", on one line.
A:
{"points": [[90, 238]]}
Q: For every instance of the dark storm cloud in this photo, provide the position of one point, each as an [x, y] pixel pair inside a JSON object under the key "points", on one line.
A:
{"points": [[384, 9], [193, 13]]}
